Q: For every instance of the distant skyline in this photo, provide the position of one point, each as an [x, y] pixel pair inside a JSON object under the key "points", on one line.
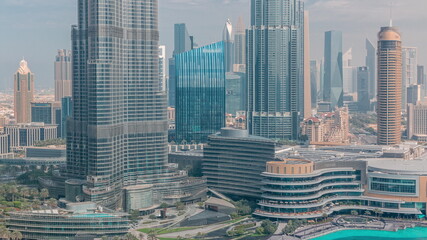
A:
{"points": [[36, 29]]}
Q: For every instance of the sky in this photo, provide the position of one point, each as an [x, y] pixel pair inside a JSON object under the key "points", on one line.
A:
{"points": [[35, 29]]}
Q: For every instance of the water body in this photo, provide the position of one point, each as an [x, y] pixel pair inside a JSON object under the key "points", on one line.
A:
{"points": [[418, 233]]}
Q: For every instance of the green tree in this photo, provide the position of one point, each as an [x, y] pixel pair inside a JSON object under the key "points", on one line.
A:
{"points": [[367, 213], [179, 206], [164, 205], [269, 227], [15, 235], [44, 193], [354, 212]]}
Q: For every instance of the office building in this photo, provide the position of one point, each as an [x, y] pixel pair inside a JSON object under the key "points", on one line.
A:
{"points": [[409, 71], [421, 77], [333, 79], [200, 92], [371, 63], [389, 96], [413, 94], [233, 161], [363, 99], [27, 134], [4, 145], [117, 135], [314, 80], [240, 47], [23, 93], [306, 97], [349, 73], [182, 42], [227, 38], [276, 45], [63, 74], [162, 68], [417, 121], [235, 92], [45, 112]]}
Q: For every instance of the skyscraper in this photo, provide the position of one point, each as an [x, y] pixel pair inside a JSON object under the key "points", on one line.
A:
{"points": [[275, 63], [363, 100], [240, 47], [306, 96], [371, 63], [117, 136], [333, 80], [200, 93], [409, 71], [389, 86], [182, 42], [63, 74], [227, 37], [349, 73], [23, 93], [162, 68], [315, 80]]}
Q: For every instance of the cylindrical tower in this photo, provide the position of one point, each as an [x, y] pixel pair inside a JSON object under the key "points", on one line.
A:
{"points": [[389, 86]]}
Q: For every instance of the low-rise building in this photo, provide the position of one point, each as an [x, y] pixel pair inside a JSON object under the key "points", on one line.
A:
{"points": [[27, 134]]}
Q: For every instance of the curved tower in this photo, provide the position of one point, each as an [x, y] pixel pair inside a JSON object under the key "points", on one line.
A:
{"points": [[389, 86], [117, 135], [23, 93], [227, 37]]}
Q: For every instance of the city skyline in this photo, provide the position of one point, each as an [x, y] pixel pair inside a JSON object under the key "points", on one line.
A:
{"points": [[355, 24]]}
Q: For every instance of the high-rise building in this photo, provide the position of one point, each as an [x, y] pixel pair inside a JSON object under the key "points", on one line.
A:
{"points": [[349, 73], [240, 47], [200, 93], [63, 74], [44, 112], [306, 96], [417, 121], [117, 135], [23, 93], [235, 92], [409, 71], [389, 96], [421, 75], [275, 63], [66, 112], [371, 63], [27, 134], [182, 42], [413, 94], [314, 80], [363, 99], [333, 80], [227, 37], [162, 68]]}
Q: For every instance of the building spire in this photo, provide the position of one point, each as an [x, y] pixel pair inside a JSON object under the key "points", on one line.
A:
{"points": [[391, 14]]}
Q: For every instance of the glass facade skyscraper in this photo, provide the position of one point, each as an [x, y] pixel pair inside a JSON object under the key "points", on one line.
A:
{"points": [[200, 92], [333, 80], [371, 63], [227, 37], [275, 68], [117, 135]]}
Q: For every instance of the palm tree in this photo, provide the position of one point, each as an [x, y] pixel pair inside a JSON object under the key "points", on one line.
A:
{"points": [[44, 193], [367, 213], [4, 232], [15, 235], [52, 202]]}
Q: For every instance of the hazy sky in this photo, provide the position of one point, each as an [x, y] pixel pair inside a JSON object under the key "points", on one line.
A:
{"points": [[35, 29]]}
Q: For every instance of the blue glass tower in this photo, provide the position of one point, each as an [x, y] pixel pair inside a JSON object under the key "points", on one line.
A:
{"points": [[333, 81], [275, 68], [200, 93]]}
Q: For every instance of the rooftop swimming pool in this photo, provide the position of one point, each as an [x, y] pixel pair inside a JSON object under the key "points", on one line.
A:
{"points": [[418, 233]]}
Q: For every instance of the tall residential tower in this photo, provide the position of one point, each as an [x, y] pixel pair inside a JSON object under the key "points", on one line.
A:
{"points": [[389, 86], [117, 135], [240, 47], [333, 80], [63, 74], [23, 93], [275, 64]]}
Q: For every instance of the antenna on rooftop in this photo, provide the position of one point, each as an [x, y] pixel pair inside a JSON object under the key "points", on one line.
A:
{"points": [[391, 14]]}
